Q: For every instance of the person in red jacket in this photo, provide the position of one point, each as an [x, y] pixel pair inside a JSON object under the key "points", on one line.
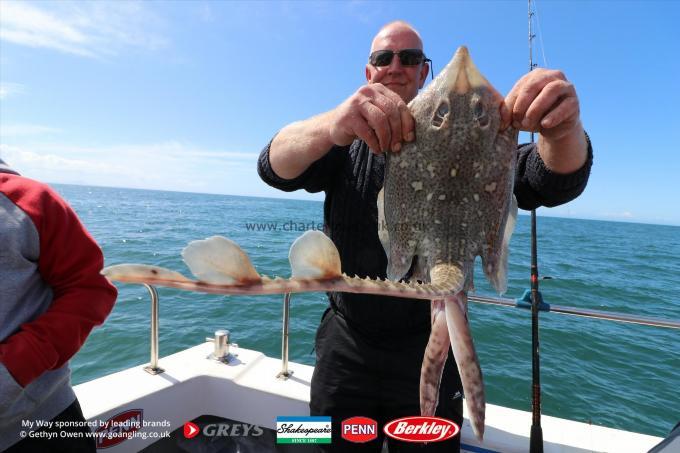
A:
{"points": [[51, 296]]}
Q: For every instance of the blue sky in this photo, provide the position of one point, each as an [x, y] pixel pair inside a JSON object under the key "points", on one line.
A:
{"points": [[183, 95]]}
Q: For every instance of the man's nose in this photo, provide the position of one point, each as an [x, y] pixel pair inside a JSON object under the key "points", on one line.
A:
{"points": [[395, 64]]}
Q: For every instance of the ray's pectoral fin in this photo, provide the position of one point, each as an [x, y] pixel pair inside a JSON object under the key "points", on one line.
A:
{"points": [[219, 261], [313, 255], [495, 258], [398, 240], [434, 360], [466, 360], [399, 261]]}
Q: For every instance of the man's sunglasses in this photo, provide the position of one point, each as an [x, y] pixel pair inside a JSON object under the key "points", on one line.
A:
{"points": [[407, 57]]}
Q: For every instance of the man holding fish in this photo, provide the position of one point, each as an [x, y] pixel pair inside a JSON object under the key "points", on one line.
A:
{"points": [[369, 349]]}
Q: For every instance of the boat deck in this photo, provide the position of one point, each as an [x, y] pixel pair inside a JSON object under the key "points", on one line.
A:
{"points": [[247, 390]]}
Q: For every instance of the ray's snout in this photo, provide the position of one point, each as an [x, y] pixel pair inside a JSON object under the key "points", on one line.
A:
{"points": [[463, 74]]}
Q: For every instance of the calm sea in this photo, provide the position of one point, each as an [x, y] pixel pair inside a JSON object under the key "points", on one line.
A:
{"points": [[619, 375]]}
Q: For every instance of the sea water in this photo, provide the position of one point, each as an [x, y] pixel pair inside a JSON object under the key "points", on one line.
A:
{"points": [[613, 374]]}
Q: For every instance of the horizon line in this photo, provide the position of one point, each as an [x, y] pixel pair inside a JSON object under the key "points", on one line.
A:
{"points": [[526, 213]]}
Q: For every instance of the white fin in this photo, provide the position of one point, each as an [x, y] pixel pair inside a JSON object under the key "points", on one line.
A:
{"points": [[499, 278], [383, 234], [219, 261], [313, 255], [126, 271]]}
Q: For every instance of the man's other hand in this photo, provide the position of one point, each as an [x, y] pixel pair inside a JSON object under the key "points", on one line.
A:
{"points": [[542, 101], [376, 115]]}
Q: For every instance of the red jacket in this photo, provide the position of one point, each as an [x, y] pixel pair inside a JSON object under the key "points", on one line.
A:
{"points": [[51, 296]]}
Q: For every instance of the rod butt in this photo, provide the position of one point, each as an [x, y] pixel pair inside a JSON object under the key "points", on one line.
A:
{"points": [[536, 439]]}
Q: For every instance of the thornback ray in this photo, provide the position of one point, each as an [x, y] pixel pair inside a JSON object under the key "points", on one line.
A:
{"points": [[447, 199]]}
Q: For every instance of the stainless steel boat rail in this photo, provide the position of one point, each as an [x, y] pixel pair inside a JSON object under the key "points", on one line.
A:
{"points": [[285, 372], [153, 367], [523, 302]]}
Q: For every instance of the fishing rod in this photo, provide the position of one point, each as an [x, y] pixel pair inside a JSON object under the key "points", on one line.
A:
{"points": [[536, 436]]}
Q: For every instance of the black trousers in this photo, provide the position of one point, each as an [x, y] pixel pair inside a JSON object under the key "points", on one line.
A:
{"points": [[60, 444], [377, 378]]}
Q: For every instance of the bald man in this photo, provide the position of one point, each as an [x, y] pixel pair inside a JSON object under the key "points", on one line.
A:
{"points": [[369, 349]]}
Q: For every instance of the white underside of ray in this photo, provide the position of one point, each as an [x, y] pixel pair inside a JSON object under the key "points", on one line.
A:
{"points": [[498, 277], [383, 234]]}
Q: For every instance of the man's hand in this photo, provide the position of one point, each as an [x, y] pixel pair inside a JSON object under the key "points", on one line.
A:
{"points": [[544, 101], [376, 115]]}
